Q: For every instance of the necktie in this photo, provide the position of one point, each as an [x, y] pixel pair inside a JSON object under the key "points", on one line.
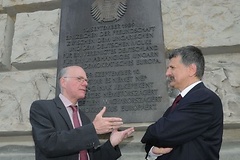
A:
{"points": [[83, 153], [175, 102]]}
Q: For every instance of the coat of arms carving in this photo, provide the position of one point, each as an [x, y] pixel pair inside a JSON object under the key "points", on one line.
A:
{"points": [[108, 10]]}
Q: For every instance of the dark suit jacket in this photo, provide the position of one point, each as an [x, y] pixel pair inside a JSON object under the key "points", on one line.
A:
{"points": [[55, 138], [194, 129]]}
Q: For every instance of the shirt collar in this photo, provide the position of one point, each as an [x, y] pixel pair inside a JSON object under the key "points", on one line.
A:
{"points": [[65, 101], [186, 90]]}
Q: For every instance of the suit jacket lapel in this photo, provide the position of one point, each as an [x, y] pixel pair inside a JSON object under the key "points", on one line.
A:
{"points": [[200, 85], [63, 112], [84, 118]]}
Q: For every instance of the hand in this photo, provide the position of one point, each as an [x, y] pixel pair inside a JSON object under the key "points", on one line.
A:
{"points": [[106, 124], [117, 137], [161, 150]]}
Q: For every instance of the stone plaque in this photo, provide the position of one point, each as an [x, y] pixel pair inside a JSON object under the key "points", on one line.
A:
{"points": [[119, 43]]}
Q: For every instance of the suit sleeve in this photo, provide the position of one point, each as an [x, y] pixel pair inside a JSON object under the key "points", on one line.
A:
{"points": [[54, 137], [190, 119], [107, 152]]}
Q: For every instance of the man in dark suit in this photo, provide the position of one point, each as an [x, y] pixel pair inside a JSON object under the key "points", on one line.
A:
{"points": [[53, 123], [192, 129]]}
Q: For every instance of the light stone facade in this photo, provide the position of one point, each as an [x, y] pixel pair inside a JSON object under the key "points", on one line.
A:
{"points": [[29, 32]]}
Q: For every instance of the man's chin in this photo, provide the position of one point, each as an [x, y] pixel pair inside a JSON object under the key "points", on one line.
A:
{"points": [[82, 95], [171, 84]]}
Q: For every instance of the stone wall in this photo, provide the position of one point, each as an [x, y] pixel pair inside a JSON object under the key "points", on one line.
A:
{"points": [[29, 32]]}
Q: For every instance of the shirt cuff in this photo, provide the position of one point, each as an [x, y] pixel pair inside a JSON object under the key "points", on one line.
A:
{"points": [[151, 155]]}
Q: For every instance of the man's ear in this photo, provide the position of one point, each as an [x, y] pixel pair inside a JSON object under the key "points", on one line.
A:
{"points": [[62, 82], [192, 70]]}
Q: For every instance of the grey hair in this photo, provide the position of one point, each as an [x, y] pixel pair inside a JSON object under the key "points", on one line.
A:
{"points": [[190, 55], [62, 73]]}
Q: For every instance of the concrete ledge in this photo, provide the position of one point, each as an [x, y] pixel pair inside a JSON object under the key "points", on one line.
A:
{"points": [[139, 127], [13, 152], [21, 146], [133, 151], [230, 150]]}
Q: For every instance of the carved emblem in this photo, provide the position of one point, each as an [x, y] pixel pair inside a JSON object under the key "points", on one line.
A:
{"points": [[108, 10]]}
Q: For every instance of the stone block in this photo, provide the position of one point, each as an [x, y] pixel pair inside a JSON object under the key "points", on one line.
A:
{"points": [[15, 6], [1, 8], [18, 90], [35, 41], [6, 32], [222, 76], [200, 23]]}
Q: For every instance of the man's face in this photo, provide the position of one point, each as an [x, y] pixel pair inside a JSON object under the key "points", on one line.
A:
{"points": [[177, 73], [74, 84]]}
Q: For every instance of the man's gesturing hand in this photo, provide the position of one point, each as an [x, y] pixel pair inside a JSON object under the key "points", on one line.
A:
{"points": [[106, 124], [117, 137]]}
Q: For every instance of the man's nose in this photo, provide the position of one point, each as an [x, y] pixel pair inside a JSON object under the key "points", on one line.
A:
{"points": [[167, 72]]}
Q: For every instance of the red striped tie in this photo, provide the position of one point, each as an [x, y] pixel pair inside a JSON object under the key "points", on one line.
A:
{"points": [[83, 153]]}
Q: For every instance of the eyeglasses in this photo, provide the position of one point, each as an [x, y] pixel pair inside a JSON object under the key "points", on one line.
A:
{"points": [[80, 79]]}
